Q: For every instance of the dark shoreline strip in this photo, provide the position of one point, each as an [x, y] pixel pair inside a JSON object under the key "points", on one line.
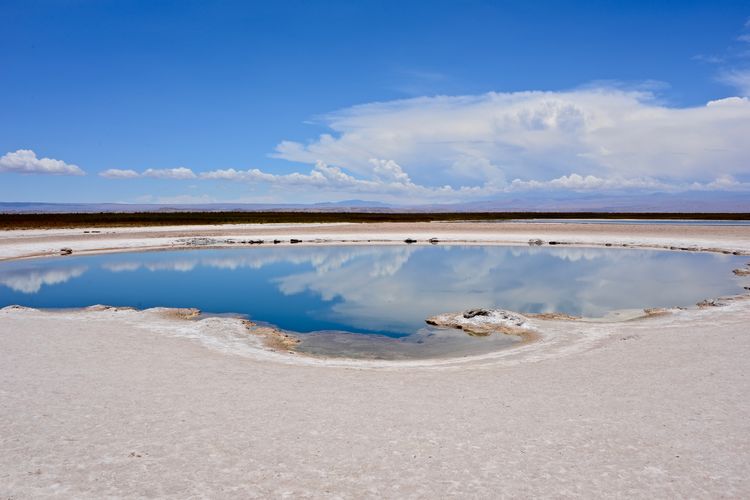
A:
{"points": [[180, 218]]}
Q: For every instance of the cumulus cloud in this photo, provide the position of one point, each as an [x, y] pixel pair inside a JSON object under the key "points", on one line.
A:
{"points": [[483, 139], [454, 148], [181, 199], [591, 182], [178, 173], [116, 173], [331, 179], [25, 161], [578, 182], [320, 175], [723, 183], [169, 173], [389, 179], [389, 171]]}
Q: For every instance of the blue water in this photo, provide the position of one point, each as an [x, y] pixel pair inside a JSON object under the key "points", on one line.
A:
{"points": [[387, 290]]}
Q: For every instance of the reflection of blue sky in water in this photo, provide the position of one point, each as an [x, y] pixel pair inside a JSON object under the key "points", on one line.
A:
{"points": [[373, 288]]}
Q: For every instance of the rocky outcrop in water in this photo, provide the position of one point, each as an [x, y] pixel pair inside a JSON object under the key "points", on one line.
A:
{"points": [[473, 313], [483, 322]]}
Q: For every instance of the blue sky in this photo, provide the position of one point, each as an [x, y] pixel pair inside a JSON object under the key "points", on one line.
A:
{"points": [[168, 101]]}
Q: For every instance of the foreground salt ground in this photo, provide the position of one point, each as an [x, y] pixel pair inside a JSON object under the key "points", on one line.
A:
{"points": [[126, 403], [96, 403]]}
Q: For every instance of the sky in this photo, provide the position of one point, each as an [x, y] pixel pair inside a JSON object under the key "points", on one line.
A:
{"points": [[395, 101]]}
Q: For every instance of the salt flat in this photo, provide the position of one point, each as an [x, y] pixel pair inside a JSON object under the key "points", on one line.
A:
{"points": [[147, 404]]}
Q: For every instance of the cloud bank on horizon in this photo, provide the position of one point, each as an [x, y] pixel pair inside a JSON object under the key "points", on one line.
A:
{"points": [[596, 138], [458, 148]]}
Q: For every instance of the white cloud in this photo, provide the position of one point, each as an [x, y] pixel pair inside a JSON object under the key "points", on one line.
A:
{"points": [[723, 183], [389, 181], [322, 175], [178, 173], [169, 173], [730, 101], [25, 161], [625, 137], [591, 182], [735, 72], [737, 78], [116, 173], [709, 58], [455, 148], [446, 149], [182, 199], [330, 179], [578, 182], [389, 171]]}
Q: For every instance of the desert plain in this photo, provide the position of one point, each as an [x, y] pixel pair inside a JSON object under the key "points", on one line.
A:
{"points": [[108, 402]]}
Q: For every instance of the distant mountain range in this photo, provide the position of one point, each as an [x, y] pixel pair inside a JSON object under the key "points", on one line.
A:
{"points": [[697, 201]]}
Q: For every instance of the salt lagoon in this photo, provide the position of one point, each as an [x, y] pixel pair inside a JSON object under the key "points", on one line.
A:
{"points": [[372, 301]]}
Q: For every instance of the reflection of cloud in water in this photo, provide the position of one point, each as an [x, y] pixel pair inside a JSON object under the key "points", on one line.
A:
{"points": [[591, 283], [365, 263], [323, 260], [577, 254], [181, 266], [677, 278], [31, 280], [385, 288], [570, 254], [121, 267], [392, 265], [385, 261]]}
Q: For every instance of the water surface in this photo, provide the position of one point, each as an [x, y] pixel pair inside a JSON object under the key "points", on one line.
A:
{"points": [[382, 292]]}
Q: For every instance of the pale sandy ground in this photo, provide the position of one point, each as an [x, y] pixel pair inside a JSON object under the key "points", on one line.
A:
{"points": [[23, 243], [118, 403]]}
